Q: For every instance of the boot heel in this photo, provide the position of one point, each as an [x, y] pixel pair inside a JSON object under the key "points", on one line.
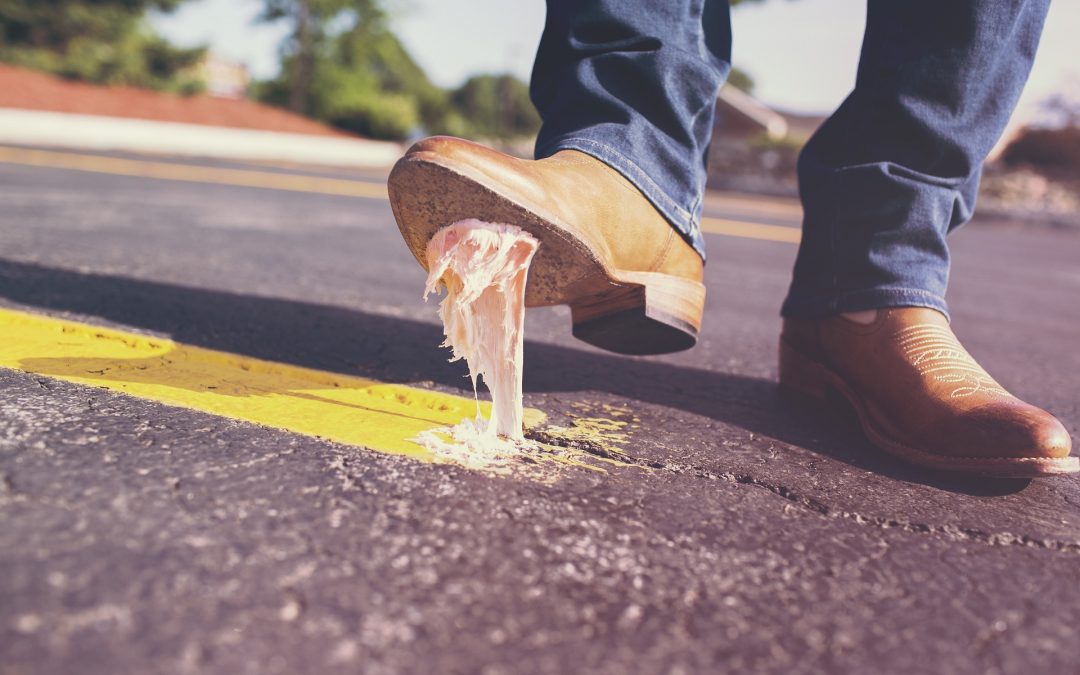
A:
{"points": [[649, 313], [801, 374]]}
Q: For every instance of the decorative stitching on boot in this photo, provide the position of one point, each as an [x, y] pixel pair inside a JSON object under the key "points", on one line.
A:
{"points": [[935, 351]]}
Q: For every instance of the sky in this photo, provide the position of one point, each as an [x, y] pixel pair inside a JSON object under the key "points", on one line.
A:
{"points": [[802, 54]]}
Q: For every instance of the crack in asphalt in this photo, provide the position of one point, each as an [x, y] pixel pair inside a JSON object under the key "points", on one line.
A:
{"points": [[8, 491], [953, 532], [590, 447]]}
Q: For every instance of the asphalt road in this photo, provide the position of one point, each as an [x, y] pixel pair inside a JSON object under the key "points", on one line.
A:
{"points": [[749, 534]]}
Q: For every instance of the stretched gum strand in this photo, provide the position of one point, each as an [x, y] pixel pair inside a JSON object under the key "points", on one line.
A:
{"points": [[484, 268]]}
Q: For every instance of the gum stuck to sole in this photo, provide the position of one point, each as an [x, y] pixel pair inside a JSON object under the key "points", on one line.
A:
{"points": [[625, 312]]}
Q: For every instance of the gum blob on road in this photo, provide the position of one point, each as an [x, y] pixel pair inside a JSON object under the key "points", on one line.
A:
{"points": [[483, 267]]}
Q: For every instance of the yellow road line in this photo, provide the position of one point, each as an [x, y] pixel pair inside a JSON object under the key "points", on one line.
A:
{"points": [[301, 183], [760, 204], [193, 174], [350, 410], [739, 228]]}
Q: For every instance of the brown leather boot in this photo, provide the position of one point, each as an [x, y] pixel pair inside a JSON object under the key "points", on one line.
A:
{"points": [[920, 396], [632, 282]]}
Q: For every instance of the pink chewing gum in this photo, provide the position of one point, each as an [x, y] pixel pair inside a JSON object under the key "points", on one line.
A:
{"points": [[484, 268]]}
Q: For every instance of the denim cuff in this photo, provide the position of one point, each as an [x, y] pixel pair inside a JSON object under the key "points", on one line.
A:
{"points": [[821, 306], [686, 223]]}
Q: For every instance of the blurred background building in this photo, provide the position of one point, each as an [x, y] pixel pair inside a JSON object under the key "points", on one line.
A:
{"points": [[224, 78]]}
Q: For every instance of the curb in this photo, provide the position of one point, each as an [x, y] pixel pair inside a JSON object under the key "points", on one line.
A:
{"points": [[95, 132]]}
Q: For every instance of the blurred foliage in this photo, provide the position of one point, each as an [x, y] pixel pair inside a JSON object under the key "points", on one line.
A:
{"points": [[1052, 150], [496, 106], [342, 64], [101, 41], [357, 78], [313, 28], [740, 79], [1053, 147]]}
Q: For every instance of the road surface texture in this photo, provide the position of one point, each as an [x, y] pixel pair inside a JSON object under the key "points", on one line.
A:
{"points": [[747, 533]]}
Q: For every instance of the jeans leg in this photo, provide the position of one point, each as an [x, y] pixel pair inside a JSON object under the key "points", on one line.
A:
{"points": [[897, 165], [634, 84]]}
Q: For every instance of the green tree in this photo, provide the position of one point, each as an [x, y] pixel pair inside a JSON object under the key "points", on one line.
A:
{"points": [[375, 55], [342, 64], [105, 41], [496, 106], [740, 79], [313, 24]]}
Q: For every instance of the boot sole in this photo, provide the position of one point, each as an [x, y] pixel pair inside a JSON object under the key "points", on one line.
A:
{"points": [[807, 377], [617, 310]]}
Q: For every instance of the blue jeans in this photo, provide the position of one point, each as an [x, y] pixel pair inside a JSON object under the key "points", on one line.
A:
{"points": [[885, 178]]}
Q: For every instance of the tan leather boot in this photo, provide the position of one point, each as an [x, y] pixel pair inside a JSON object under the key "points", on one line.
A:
{"points": [[920, 396], [632, 282]]}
